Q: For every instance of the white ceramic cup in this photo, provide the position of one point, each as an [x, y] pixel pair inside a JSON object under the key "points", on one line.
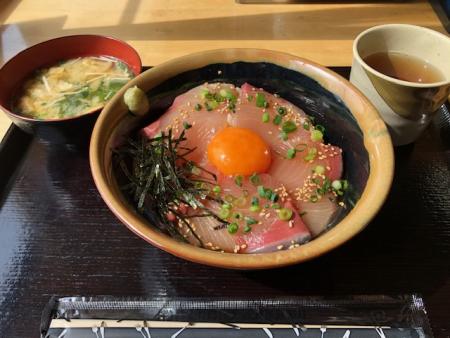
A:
{"points": [[406, 107]]}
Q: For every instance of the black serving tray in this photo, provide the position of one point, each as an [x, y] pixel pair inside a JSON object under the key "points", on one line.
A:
{"points": [[57, 238]]}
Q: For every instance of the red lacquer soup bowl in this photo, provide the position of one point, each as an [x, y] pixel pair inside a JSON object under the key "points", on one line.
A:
{"points": [[45, 54]]}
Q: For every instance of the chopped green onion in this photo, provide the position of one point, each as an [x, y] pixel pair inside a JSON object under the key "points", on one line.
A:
{"points": [[204, 94], [217, 98], [284, 136], [231, 106], [255, 179], [247, 229], [273, 197], [261, 191], [265, 117], [344, 184], [224, 213], [336, 185], [306, 125], [213, 104], [316, 135], [198, 107], [250, 220], [240, 202], [266, 206], [261, 100], [250, 98], [255, 208], [319, 169], [232, 228], [321, 128], [326, 184], [277, 120], [325, 187], [276, 206], [226, 206], [312, 152], [237, 215], [238, 180], [289, 127], [313, 198], [290, 154], [285, 214], [316, 181], [228, 94], [255, 201], [303, 213], [217, 189], [208, 107], [268, 193], [281, 110], [186, 125]]}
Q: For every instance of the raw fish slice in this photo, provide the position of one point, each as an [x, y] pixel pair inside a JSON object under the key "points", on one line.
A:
{"points": [[249, 115], [214, 238], [317, 215], [297, 175], [203, 124], [294, 173], [267, 234], [279, 235]]}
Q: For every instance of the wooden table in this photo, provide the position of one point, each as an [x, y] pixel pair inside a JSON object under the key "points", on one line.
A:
{"points": [[162, 29]]}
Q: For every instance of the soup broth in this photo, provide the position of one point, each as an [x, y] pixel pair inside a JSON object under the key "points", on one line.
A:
{"points": [[72, 88], [404, 67]]}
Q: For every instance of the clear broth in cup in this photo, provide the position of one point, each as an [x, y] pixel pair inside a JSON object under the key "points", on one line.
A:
{"points": [[404, 67]]}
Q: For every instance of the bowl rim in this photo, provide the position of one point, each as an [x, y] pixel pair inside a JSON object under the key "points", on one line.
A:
{"points": [[91, 111], [376, 140]]}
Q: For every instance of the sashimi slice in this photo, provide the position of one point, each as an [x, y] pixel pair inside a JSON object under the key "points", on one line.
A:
{"points": [[317, 215], [189, 110], [269, 233], [294, 173], [249, 115], [279, 235], [297, 175]]}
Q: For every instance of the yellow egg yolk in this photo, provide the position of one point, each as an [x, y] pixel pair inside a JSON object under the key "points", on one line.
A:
{"points": [[239, 151]]}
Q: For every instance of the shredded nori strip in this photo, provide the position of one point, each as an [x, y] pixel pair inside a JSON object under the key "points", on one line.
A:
{"points": [[160, 179]]}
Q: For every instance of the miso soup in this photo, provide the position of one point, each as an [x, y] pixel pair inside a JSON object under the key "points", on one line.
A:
{"points": [[71, 88]]}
